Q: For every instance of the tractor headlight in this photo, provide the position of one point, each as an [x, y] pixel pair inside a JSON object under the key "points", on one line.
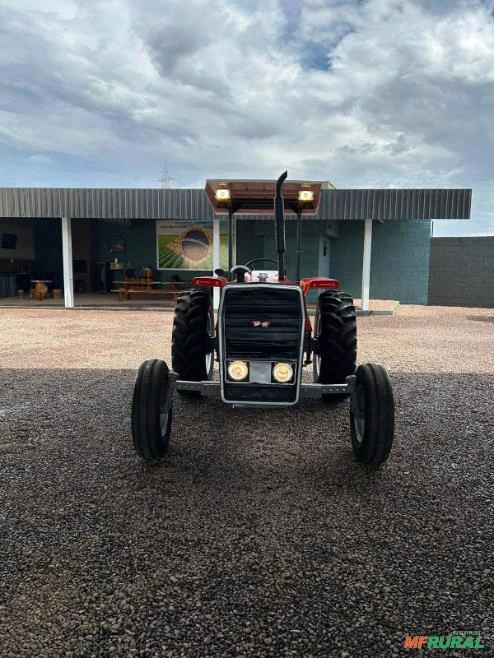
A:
{"points": [[282, 373], [238, 371]]}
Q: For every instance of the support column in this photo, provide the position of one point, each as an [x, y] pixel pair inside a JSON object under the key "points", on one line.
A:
{"points": [[216, 257], [230, 241], [366, 264], [68, 270], [299, 243]]}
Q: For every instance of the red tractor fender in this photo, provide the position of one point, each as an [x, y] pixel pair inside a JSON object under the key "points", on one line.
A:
{"points": [[210, 281], [318, 282]]}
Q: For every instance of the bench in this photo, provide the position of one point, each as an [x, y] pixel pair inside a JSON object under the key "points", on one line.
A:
{"points": [[144, 286], [125, 293]]}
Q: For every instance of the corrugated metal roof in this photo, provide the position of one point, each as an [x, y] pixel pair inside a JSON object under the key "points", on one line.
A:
{"points": [[127, 204], [388, 204], [117, 204]]}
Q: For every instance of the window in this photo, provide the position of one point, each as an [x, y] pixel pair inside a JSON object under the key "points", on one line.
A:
{"points": [[8, 241]]}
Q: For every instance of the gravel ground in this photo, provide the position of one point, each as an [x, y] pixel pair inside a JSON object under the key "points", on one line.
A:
{"points": [[259, 535]]}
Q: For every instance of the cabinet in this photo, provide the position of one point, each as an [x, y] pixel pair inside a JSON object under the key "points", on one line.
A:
{"points": [[8, 285], [103, 277]]}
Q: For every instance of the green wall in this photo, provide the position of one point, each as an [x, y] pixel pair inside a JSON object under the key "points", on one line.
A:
{"points": [[140, 242], [140, 247], [400, 259], [400, 254], [256, 239]]}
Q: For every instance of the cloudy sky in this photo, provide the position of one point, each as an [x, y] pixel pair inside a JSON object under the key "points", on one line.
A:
{"points": [[365, 93]]}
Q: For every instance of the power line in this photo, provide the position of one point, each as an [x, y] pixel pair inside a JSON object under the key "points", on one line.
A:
{"points": [[165, 179]]}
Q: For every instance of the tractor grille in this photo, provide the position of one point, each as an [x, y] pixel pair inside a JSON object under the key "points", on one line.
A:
{"points": [[245, 305], [259, 393]]}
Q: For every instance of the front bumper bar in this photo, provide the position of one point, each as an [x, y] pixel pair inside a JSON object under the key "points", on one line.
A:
{"points": [[307, 391]]}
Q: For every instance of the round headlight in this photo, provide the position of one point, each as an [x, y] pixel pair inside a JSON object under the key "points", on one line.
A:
{"points": [[238, 370], [282, 373]]}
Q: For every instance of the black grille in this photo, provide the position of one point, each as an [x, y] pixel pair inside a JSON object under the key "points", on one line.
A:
{"points": [[281, 307], [260, 392]]}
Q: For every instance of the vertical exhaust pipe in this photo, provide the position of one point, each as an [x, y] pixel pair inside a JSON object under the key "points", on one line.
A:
{"points": [[279, 218]]}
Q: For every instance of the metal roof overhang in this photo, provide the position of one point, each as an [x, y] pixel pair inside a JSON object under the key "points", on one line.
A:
{"points": [[193, 204]]}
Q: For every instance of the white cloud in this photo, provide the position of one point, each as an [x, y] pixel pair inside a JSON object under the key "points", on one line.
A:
{"points": [[375, 93], [40, 159]]}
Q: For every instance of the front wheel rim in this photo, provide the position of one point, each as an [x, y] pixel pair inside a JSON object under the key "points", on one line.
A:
{"points": [[164, 416], [359, 421], [359, 425], [209, 355], [317, 358]]}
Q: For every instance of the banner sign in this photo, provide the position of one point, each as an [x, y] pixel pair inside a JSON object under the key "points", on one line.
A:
{"points": [[182, 245]]}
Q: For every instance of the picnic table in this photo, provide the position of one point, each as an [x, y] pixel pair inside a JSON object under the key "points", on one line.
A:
{"points": [[145, 286], [40, 290]]}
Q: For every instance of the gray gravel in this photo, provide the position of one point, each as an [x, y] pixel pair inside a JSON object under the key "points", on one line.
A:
{"points": [[259, 536]]}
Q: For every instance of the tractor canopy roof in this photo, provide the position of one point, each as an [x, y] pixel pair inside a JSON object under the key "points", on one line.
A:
{"points": [[255, 197]]}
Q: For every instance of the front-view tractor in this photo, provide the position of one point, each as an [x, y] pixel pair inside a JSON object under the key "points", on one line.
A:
{"points": [[263, 337]]}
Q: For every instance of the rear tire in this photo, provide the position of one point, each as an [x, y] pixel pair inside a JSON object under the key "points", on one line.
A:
{"points": [[151, 411], [372, 415], [192, 336], [335, 327]]}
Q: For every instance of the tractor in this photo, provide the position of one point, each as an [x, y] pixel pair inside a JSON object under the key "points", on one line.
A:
{"points": [[263, 337]]}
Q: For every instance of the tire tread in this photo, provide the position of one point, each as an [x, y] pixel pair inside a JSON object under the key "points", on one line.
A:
{"points": [[337, 338], [375, 448], [150, 386], [189, 335]]}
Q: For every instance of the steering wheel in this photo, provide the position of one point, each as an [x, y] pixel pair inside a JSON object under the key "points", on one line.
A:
{"points": [[260, 260]]}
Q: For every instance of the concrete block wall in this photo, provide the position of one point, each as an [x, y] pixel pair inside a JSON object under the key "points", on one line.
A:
{"points": [[462, 272], [399, 259]]}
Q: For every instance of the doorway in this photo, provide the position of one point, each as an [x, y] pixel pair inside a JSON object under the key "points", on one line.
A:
{"points": [[83, 255], [324, 255]]}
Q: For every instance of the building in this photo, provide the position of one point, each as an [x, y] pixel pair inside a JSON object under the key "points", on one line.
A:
{"points": [[376, 242]]}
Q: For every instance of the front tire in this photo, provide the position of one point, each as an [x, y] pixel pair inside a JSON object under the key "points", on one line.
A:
{"points": [[335, 329], [152, 410], [192, 338], [372, 415]]}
